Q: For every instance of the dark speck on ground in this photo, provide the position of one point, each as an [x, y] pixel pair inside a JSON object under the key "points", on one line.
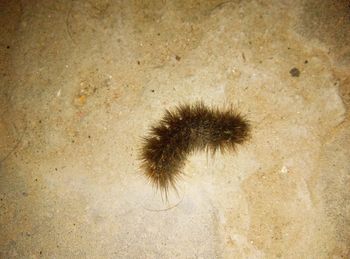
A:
{"points": [[294, 72]]}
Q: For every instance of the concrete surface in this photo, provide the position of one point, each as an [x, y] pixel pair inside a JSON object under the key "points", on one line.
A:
{"points": [[81, 81]]}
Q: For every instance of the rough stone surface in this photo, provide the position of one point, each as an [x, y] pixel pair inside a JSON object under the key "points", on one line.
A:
{"points": [[81, 81]]}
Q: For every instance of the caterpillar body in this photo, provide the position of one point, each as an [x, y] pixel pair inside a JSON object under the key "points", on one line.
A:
{"points": [[186, 129]]}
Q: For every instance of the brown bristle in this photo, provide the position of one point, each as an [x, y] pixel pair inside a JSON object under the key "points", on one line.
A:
{"points": [[186, 129]]}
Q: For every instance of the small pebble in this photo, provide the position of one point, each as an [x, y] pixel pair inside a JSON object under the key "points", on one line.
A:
{"points": [[294, 72]]}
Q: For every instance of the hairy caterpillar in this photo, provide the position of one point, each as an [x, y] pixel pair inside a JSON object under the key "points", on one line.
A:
{"points": [[185, 129]]}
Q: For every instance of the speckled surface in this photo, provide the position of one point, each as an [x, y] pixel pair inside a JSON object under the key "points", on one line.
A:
{"points": [[81, 81]]}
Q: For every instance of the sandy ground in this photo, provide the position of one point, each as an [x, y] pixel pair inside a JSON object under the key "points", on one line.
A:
{"points": [[82, 81]]}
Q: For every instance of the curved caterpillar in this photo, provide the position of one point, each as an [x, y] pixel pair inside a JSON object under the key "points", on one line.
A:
{"points": [[186, 129]]}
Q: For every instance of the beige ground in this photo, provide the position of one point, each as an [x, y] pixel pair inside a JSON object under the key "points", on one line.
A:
{"points": [[81, 81]]}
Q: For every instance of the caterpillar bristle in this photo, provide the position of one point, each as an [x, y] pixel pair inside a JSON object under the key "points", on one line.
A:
{"points": [[184, 130]]}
